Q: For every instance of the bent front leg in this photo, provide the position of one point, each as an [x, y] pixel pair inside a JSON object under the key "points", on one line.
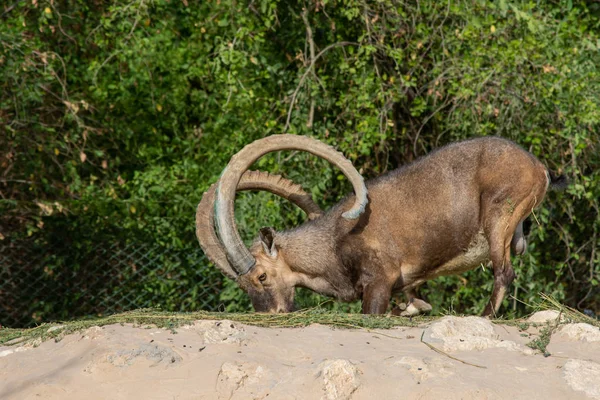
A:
{"points": [[376, 298]]}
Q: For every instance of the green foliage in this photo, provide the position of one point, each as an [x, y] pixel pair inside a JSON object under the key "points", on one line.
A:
{"points": [[543, 340], [115, 117]]}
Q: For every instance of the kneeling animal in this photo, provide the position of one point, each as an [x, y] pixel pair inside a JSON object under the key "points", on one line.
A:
{"points": [[446, 213]]}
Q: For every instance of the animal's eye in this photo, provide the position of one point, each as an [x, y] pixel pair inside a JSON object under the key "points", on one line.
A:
{"points": [[262, 278]]}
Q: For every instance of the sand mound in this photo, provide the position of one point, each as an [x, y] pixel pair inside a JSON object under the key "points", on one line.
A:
{"points": [[471, 358]]}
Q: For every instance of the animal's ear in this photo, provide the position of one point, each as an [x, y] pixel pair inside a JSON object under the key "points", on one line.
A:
{"points": [[267, 238]]}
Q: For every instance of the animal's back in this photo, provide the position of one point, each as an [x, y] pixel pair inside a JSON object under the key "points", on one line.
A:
{"points": [[428, 213]]}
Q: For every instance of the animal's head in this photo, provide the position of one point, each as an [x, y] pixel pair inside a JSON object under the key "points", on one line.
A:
{"points": [[271, 282], [263, 271]]}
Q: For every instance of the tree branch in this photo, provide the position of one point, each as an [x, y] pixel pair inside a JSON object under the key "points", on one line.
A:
{"points": [[311, 43], [308, 70]]}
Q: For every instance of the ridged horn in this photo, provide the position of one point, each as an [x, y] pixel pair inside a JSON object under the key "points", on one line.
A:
{"points": [[238, 255], [251, 180]]}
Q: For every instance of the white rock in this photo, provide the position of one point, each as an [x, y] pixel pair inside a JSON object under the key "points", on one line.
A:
{"points": [[468, 333], [7, 352], [340, 378], [542, 317], [224, 331], [93, 333], [423, 369], [4, 353], [155, 353], [239, 379], [580, 332], [583, 376]]}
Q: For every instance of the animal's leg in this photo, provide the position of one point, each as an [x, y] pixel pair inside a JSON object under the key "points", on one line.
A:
{"points": [[518, 244], [376, 297], [415, 305], [499, 233], [504, 275]]}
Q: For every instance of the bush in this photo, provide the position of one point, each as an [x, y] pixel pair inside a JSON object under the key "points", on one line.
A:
{"points": [[120, 115]]}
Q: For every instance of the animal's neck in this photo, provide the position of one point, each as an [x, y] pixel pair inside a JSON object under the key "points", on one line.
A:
{"points": [[311, 252]]}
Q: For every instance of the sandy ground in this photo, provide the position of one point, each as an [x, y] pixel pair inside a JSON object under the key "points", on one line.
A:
{"points": [[228, 360]]}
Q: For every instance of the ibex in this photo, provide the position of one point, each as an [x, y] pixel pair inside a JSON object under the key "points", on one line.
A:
{"points": [[443, 214]]}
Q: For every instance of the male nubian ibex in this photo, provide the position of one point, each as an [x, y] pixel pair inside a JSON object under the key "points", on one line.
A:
{"points": [[446, 213]]}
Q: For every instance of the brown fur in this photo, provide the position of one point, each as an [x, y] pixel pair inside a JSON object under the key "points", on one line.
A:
{"points": [[442, 214]]}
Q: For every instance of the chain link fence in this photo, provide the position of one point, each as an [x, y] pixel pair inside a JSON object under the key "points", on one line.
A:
{"points": [[40, 283]]}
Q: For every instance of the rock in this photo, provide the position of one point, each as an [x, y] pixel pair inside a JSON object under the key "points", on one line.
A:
{"points": [[340, 379], [156, 353], [240, 379], [463, 326], [219, 332], [542, 317], [468, 333], [92, 333], [580, 332], [423, 369], [4, 353], [583, 376], [457, 393]]}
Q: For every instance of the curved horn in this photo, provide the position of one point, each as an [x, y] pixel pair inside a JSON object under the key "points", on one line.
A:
{"points": [[278, 185], [237, 253], [251, 180]]}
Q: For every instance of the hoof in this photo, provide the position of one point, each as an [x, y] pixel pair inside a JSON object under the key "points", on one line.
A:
{"points": [[416, 307], [421, 305], [410, 311], [397, 311]]}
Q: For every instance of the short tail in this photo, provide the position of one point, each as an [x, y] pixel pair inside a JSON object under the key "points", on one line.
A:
{"points": [[557, 182]]}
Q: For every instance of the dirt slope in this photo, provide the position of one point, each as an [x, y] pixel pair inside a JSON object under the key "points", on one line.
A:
{"points": [[228, 360]]}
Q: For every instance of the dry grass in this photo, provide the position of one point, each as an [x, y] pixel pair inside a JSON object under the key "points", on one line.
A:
{"points": [[171, 320]]}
